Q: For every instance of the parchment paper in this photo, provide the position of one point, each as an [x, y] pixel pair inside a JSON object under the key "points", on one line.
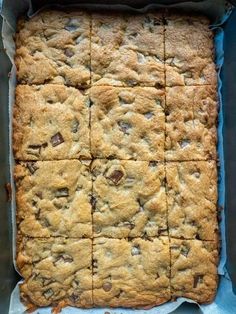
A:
{"points": [[225, 301]]}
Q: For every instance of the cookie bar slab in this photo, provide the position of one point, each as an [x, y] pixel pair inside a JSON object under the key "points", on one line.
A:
{"points": [[189, 51], [194, 269], [127, 50], [131, 273], [53, 199], [192, 199], [54, 47], [191, 113], [50, 122], [127, 123], [129, 198], [56, 271]]}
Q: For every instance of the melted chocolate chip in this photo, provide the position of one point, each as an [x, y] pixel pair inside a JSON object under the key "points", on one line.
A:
{"points": [[56, 139], [107, 286], [116, 176], [197, 279], [69, 53], [32, 167], [63, 192], [124, 126], [184, 251]]}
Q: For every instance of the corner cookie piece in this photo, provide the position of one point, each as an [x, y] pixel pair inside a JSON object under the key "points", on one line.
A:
{"points": [[56, 271], [127, 50], [189, 51], [191, 114], [192, 199], [53, 199], [194, 269], [129, 199], [127, 123], [131, 273], [50, 122], [54, 47]]}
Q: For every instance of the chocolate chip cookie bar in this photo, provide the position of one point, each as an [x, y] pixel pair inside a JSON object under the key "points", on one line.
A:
{"points": [[131, 273], [192, 198], [56, 271], [128, 199], [50, 122], [54, 47], [194, 269], [191, 113], [127, 123], [53, 198], [127, 50], [189, 51]]}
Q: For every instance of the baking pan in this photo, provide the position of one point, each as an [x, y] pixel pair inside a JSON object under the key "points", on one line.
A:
{"points": [[8, 276]]}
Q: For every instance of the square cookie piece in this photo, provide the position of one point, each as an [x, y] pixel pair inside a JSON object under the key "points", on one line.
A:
{"points": [[189, 51], [53, 199], [191, 114], [127, 50], [50, 122], [56, 271], [129, 198], [194, 269], [131, 273], [54, 47], [127, 123], [192, 198]]}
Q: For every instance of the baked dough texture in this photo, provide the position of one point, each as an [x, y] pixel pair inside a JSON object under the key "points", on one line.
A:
{"points": [[129, 199], [50, 122], [127, 123], [127, 50], [55, 204], [131, 273], [56, 271], [54, 47], [114, 138], [194, 269], [189, 51]]}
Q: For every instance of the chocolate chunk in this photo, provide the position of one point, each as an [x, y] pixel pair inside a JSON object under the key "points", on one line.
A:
{"points": [[152, 163], [107, 286], [69, 53], [65, 258], [124, 126], [148, 115], [32, 167], [48, 293], [135, 250], [116, 176], [63, 192], [56, 139], [74, 297], [75, 126], [34, 150], [197, 279], [93, 202], [184, 251]]}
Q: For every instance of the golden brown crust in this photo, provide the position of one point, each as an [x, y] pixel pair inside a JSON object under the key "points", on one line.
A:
{"points": [[194, 269], [55, 270], [191, 114], [127, 123], [128, 199], [55, 204], [127, 50], [50, 122], [192, 198], [189, 51], [131, 273], [53, 47]]}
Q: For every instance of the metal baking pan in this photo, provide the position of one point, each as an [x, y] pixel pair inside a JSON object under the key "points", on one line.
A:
{"points": [[8, 276]]}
